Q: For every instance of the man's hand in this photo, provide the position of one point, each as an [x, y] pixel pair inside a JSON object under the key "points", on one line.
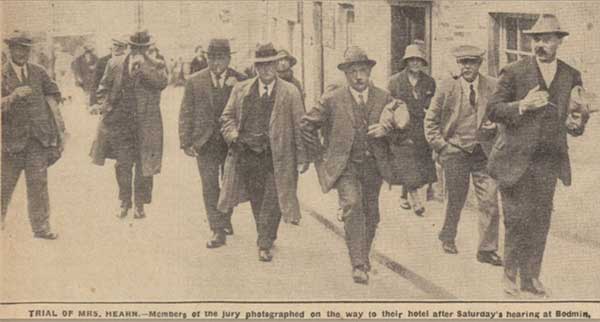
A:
{"points": [[22, 91], [377, 130], [534, 100], [488, 125], [190, 151], [303, 167]]}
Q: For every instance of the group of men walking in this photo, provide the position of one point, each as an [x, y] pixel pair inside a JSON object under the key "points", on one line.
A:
{"points": [[253, 137]]}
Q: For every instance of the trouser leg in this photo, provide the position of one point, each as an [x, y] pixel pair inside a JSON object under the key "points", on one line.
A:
{"points": [[36, 177], [125, 158], [371, 186], [486, 192], [12, 166], [209, 168], [143, 185], [456, 182], [254, 178], [270, 213]]}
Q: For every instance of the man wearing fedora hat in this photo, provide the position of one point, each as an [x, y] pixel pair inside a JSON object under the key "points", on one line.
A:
{"points": [[131, 130], [206, 93], [416, 89], [285, 71], [457, 128], [261, 125], [354, 157], [118, 48], [31, 131], [531, 152]]}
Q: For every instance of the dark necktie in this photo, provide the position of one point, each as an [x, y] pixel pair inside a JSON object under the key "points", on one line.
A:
{"points": [[23, 77], [218, 79], [472, 95], [265, 95], [362, 107]]}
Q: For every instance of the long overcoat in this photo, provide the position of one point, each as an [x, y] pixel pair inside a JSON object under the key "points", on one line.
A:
{"points": [[148, 120], [286, 143]]}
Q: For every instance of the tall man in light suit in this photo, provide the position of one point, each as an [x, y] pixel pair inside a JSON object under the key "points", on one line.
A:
{"points": [[457, 128], [206, 93], [531, 152]]}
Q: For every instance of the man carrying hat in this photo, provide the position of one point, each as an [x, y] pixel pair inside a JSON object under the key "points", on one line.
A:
{"points": [[261, 125], [416, 89], [354, 159], [31, 131], [118, 48], [131, 128], [531, 153], [285, 71], [206, 93], [457, 128]]}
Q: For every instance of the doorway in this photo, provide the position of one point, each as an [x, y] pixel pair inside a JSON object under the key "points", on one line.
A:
{"points": [[410, 25]]}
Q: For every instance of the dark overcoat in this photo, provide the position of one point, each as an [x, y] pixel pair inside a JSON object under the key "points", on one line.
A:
{"points": [[148, 120]]}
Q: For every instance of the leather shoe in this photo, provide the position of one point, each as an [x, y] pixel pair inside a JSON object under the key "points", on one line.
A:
{"points": [[510, 286], [45, 235], [228, 230], [489, 257], [534, 287], [123, 212], [264, 255], [360, 275], [217, 240], [449, 247], [139, 212], [404, 204]]}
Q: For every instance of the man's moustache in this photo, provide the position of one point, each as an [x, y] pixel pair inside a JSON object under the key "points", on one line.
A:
{"points": [[540, 51]]}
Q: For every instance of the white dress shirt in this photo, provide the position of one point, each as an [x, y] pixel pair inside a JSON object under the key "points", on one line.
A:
{"points": [[261, 88], [548, 70], [356, 95], [17, 70]]}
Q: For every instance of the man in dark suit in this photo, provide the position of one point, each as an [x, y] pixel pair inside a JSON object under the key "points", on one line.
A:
{"points": [[355, 157], [30, 132], [205, 96], [84, 68], [457, 128], [531, 153], [285, 71], [119, 46], [199, 62]]}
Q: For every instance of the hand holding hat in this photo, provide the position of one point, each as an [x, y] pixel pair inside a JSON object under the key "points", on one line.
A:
{"points": [[534, 100]]}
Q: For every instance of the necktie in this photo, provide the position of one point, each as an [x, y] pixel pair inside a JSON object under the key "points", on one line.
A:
{"points": [[472, 95], [362, 107], [218, 79], [23, 77], [266, 93]]}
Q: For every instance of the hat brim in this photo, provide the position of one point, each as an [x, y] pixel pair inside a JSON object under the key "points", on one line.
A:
{"points": [[218, 53], [139, 44], [268, 59], [421, 58], [537, 32], [18, 42], [291, 59], [345, 65]]}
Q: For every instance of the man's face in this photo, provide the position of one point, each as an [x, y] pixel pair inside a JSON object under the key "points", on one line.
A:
{"points": [[283, 65], [19, 54], [139, 50], [469, 68], [118, 49], [546, 45], [266, 71], [200, 52], [358, 76], [414, 64], [218, 63]]}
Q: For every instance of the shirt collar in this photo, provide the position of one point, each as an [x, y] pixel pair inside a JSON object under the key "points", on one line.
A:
{"points": [[261, 87], [213, 76], [17, 68], [467, 86], [355, 94]]}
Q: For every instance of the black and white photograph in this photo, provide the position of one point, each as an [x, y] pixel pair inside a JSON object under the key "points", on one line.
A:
{"points": [[300, 159]]}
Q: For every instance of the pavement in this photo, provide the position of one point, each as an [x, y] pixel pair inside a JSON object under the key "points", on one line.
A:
{"points": [[99, 257]]}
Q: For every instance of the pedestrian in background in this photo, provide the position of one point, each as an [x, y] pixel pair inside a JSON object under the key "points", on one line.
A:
{"points": [[285, 71], [131, 130], [206, 93], [118, 48], [84, 68], [199, 62]]}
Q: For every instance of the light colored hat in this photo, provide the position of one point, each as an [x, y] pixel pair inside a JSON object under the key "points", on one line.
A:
{"points": [[288, 56], [266, 53], [414, 51], [19, 37], [547, 24], [467, 52], [120, 40], [354, 55]]}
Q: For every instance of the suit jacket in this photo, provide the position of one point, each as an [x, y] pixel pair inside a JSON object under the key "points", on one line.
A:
{"points": [[98, 73], [442, 117], [31, 116], [334, 116], [197, 120], [287, 147], [148, 86], [519, 135]]}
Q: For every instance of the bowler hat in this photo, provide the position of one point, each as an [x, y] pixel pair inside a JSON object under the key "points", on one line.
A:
{"points": [[354, 55], [414, 51], [19, 37], [288, 56], [547, 24], [266, 53], [467, 52], [218, 46], [141, 38]]}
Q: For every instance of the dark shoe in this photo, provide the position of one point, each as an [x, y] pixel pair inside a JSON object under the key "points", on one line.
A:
{"points": [[139, 212], [360, 275], [510, 286], [264, 255], [217, 240], [45, 235], [534, 287], [123, 213], [490, 258], [228, 230], [404, 204], [415, 203], [420, 211], [449, 247]]}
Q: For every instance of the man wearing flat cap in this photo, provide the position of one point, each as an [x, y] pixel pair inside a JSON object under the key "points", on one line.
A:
{"points": [[118, 48], [266, 153], [285, 71], [31, 131], [354, 157], [131, 130], [206, 93], [416, 89], [457, 127], [531, 152]]}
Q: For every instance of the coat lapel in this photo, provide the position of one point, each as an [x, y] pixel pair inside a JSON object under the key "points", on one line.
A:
{"points": [[210, 87], [10, 76], [279, 94], [348, 104], [246, 97]]}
